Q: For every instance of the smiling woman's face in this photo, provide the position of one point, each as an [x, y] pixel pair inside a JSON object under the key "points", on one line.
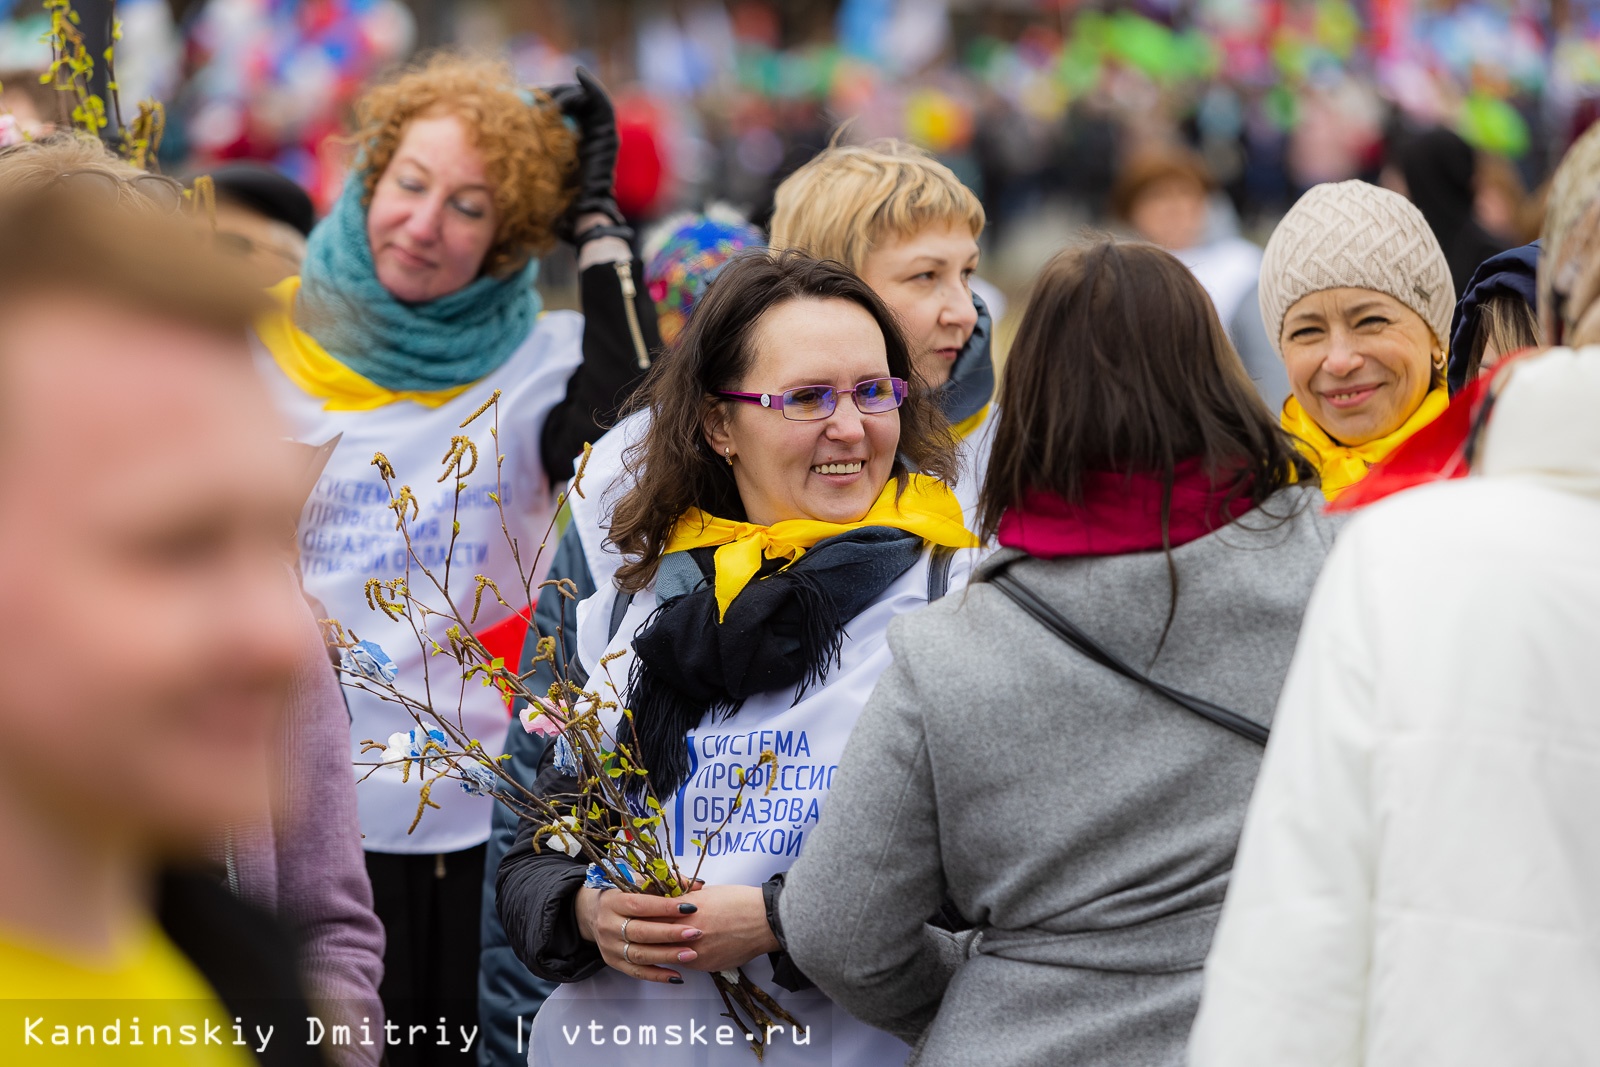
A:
{"points": [[432, 218], [831, 469], [1360, 362]]}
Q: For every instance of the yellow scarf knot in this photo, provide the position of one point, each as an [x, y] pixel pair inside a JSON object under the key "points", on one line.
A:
{"points": [[927, 508], [1342, 466]]}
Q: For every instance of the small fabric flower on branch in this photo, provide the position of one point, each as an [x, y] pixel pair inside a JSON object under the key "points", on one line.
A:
{"points": [[540, 723], [564, 836], [564, 759], [369, 661], [607, 875], [405, 747], [480, 781]]}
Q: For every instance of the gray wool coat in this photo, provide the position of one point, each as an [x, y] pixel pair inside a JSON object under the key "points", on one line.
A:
{"points": [[1082, 824]]}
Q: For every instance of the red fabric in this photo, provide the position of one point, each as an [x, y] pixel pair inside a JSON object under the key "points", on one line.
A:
{"points": [[504, 641], [1120, 513], [641, 173], [1435, 453]]}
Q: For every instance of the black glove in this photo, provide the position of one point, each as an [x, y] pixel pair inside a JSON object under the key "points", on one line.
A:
{"points": [[587, 104]]}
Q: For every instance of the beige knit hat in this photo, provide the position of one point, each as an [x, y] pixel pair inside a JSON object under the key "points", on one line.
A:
{"points": [[1352, 235]]}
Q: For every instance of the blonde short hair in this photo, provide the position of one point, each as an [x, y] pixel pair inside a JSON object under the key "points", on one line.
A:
{"points": [[851, 198]]}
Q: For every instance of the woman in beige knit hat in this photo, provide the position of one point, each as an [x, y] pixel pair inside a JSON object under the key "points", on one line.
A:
{"points": [[1418, 878], [1357, 297]]}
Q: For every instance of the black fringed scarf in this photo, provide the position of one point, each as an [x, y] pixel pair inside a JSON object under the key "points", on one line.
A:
{"points": [[785, 629]]}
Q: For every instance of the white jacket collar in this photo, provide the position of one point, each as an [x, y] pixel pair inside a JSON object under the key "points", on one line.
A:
{"points": [[1546, 422]]}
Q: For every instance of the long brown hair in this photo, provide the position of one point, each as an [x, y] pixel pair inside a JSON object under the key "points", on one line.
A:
{"points": [[1120, 364], [673, 468]]}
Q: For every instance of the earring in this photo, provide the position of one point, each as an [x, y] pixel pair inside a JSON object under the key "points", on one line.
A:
{"points": [[728, 454]]}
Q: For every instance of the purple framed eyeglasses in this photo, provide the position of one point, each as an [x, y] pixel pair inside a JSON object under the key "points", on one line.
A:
{"points": [[808, 403]]}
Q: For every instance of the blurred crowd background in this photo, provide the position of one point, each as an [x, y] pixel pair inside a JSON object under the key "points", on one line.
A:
{"points": [[1036, 104]]}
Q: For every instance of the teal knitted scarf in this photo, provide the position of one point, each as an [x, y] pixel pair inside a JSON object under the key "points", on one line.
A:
{"points": [[452, 340]]}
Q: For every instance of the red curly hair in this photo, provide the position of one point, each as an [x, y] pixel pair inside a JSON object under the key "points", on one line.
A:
{"points": [[530, 154]]}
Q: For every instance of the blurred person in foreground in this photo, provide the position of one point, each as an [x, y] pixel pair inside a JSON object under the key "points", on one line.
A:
{"points": [[1082, 824], [149, 641], [1356, 296], [299, 855], [1166, 196], [415, 304], [1418, 881]]}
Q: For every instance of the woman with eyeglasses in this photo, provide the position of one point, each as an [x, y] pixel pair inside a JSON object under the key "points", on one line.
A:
{"points": [[773, 530]]}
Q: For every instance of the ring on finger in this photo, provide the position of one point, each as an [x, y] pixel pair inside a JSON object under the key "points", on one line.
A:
{"points": [[625, 923], [626, 945]]}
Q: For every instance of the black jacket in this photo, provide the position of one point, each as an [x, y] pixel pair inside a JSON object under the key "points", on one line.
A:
{"points": [[505, 988], [619, 336], [535, 891]]}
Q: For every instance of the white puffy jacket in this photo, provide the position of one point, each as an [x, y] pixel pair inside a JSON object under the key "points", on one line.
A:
{"points": [[1418, 881]]}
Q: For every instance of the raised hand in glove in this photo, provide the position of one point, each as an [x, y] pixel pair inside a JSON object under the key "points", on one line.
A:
{"points": [[587, 104]]}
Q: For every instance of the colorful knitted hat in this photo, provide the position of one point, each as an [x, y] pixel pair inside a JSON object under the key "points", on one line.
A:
{"points": [[685, 253]]}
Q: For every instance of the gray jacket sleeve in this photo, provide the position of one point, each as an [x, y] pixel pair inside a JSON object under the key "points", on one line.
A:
{"points": [[855, 904]]}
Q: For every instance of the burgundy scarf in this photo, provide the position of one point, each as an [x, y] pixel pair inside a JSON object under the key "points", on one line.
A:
{"points": [[1120, 513]]}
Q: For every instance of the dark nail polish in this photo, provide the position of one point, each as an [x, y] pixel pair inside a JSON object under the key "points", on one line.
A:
{"points": [[687, 909], [675, 980]]}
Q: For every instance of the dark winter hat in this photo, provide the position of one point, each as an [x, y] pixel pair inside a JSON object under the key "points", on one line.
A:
{"points": [[265, 190], [1512, 273]]}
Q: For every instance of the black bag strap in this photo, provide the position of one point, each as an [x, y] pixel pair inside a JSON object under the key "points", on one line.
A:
{"points": [[619, 609], [1063, 628], [939, 571]]}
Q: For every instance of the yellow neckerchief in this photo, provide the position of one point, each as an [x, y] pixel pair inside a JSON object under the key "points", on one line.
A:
{"points": [[970, 423], [139, 1000], [309, 366], [927, 508], [1342, 466]]}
